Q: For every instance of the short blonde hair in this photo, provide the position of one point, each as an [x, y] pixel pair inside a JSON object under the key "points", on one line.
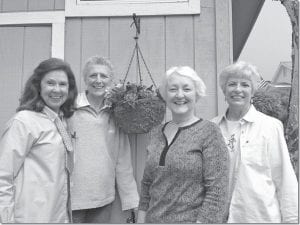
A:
{"points": [[184, 71], [240, 69]]}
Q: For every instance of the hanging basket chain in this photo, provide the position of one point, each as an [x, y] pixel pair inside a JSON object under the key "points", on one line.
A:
{"points": [[148, 71], [137, 51], [138, 62], [130, 62], [135, 107]]}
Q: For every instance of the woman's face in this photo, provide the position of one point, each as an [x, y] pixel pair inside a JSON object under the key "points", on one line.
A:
{"points": [[181, 95], [238, 92], [97, 79], [55, 89]]}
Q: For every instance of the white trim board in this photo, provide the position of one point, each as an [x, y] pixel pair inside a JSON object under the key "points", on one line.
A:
{"points": [[80, 8], [54, 18]]}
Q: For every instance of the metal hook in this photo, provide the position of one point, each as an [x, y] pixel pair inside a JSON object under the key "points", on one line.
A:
{"points": [[136, 22]]}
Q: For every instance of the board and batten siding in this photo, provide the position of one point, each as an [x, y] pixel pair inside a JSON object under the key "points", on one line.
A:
{"points": [[21, 48], [31, 5], [202, 42]]}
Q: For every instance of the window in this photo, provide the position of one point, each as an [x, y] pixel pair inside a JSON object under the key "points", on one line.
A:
{"points": [[80, 8]]}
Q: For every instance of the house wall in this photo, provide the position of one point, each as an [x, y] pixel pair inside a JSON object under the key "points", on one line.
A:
{"points": [[20, 48], [200, 41], [30, 5]]}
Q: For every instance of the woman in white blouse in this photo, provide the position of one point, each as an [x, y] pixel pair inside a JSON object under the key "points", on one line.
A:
{"points": [[263, 185], [36, 154]]}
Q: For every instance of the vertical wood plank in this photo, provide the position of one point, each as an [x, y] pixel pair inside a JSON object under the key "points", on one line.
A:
{"points": [[121, 46], [224, 54], [37, 47], [14, 5], [1, 5], [94, 39], [179, 41], [73, 47], [205, 65], [59, 4], [133, 144], [152, 44], [207, 3], [39, 5], [141, 156], [11, 68]]}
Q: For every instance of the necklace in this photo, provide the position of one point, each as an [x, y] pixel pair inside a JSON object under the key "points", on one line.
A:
{"points": [[233, 130]]}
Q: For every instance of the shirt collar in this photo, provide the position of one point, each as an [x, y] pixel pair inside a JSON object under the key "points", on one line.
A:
{"points": [[82, 100], [250, 116]]}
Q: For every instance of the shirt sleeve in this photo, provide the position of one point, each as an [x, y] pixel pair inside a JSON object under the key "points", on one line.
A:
{"points": [[147, 176], [126, 183], [283, 175], [15, 144], [215, 177], [145, 185]]}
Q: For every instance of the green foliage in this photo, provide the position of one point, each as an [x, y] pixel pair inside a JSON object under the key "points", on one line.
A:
{"points": [[130, 94], [273, 102], [135, 107]]}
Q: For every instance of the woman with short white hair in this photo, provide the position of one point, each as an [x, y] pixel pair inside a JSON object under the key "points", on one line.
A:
{"points": [[186, 172], [262, 184]]}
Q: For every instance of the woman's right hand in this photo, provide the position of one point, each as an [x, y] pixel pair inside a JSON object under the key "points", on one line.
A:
{"points": [[141, 216]]}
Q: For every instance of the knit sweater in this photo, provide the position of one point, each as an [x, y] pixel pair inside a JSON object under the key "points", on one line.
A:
{"points": [[186, 181]]}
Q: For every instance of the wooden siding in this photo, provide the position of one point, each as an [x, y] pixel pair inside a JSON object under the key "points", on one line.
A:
{"points": [[21, 49], [165, 41], [31, 5]]}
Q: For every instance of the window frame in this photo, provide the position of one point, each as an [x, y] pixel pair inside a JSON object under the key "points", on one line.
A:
{"points": [[83, 8]]}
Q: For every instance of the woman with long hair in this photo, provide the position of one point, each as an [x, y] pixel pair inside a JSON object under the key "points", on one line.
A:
{"points": [[36, 154]]}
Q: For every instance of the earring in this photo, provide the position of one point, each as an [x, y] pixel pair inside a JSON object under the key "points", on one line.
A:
{"points": [[251, 101]]}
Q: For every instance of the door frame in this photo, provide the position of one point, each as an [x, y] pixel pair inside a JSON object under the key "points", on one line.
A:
{"points": [[56, 19]]}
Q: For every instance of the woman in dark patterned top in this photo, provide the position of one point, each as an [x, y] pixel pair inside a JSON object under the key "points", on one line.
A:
{"points": [[186, 174]]}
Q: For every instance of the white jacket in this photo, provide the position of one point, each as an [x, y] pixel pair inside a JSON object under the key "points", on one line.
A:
{"points": [[33, 178], [266, 189]]}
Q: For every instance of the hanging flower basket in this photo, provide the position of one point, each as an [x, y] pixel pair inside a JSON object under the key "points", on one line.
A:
{"points": [[135, 108]]}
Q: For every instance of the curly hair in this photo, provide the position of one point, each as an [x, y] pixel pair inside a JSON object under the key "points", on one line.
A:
{"points": [[31, 98]]}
